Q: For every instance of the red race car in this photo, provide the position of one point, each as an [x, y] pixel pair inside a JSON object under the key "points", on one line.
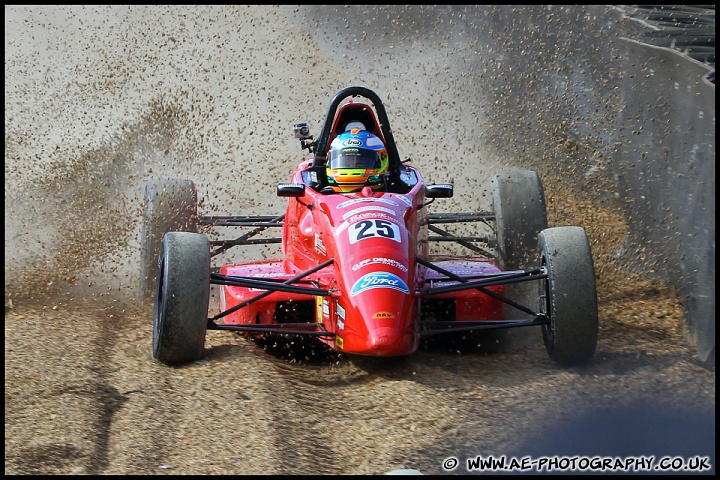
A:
{"points": [[357, 271]]}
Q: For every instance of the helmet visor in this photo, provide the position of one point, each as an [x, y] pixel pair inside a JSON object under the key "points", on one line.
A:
{"points": [[359, 158]]}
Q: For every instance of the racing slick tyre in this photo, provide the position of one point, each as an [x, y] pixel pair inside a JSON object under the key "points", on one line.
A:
{"points": [[181, 298], [170, 206], [519, 206], [568, 296], [520, 215]]}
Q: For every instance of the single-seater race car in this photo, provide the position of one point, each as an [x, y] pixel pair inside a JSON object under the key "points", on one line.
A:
{"points": [[357, 271]]}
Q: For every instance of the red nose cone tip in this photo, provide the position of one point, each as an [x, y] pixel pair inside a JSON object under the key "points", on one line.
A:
{"points": [[378, 342], [388, 342]]}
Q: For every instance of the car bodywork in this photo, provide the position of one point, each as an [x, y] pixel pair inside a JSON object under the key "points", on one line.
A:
{"points": [[357, 271]]}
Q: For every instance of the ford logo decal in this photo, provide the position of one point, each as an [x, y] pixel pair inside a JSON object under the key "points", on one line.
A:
{"points": [[379, 280]]}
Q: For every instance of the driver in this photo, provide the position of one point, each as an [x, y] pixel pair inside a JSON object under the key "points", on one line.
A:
{"points": [[357, 159]]}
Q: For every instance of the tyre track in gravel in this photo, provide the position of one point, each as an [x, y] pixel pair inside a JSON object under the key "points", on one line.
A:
{"points": [[146, 419], [179, 420], [322, 425], [292, 425], [80, 407]]}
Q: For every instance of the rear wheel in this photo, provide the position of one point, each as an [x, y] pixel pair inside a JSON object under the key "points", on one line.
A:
{"points": [[181, 298], [520, 215], [170, 206], [568, 296], [519, 206]]}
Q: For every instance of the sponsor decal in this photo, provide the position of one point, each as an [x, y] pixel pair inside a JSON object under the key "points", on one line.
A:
{"points": [[381, 260], [463, 272], [405, 199], [340, 324], [379, 280], [352, 142], [319, 246], [318, 309], [347, 203], [325, 308], [374, 208], [340, 311], [373, 229], [338, 342], [379, 315], [371, 215]]}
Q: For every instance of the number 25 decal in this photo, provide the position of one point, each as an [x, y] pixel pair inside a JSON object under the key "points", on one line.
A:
{"points": [[373, 228]]}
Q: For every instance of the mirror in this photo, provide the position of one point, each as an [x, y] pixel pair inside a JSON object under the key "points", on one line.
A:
{"points": [[290, 189], [440, 190]]}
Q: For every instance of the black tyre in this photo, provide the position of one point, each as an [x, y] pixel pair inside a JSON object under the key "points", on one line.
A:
{"points": [[569, 295], [181, 298], [170, 206], [520, 215]]}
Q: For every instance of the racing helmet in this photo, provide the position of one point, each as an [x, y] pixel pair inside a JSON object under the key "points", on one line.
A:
{"points": [[357, 158]]}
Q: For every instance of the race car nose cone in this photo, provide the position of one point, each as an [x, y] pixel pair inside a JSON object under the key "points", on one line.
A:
{"points": [[388, 341], [381, 341]]}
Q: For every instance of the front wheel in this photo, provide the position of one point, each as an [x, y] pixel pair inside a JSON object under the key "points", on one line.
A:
{"points": [[568, 296], [182, 297]]}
